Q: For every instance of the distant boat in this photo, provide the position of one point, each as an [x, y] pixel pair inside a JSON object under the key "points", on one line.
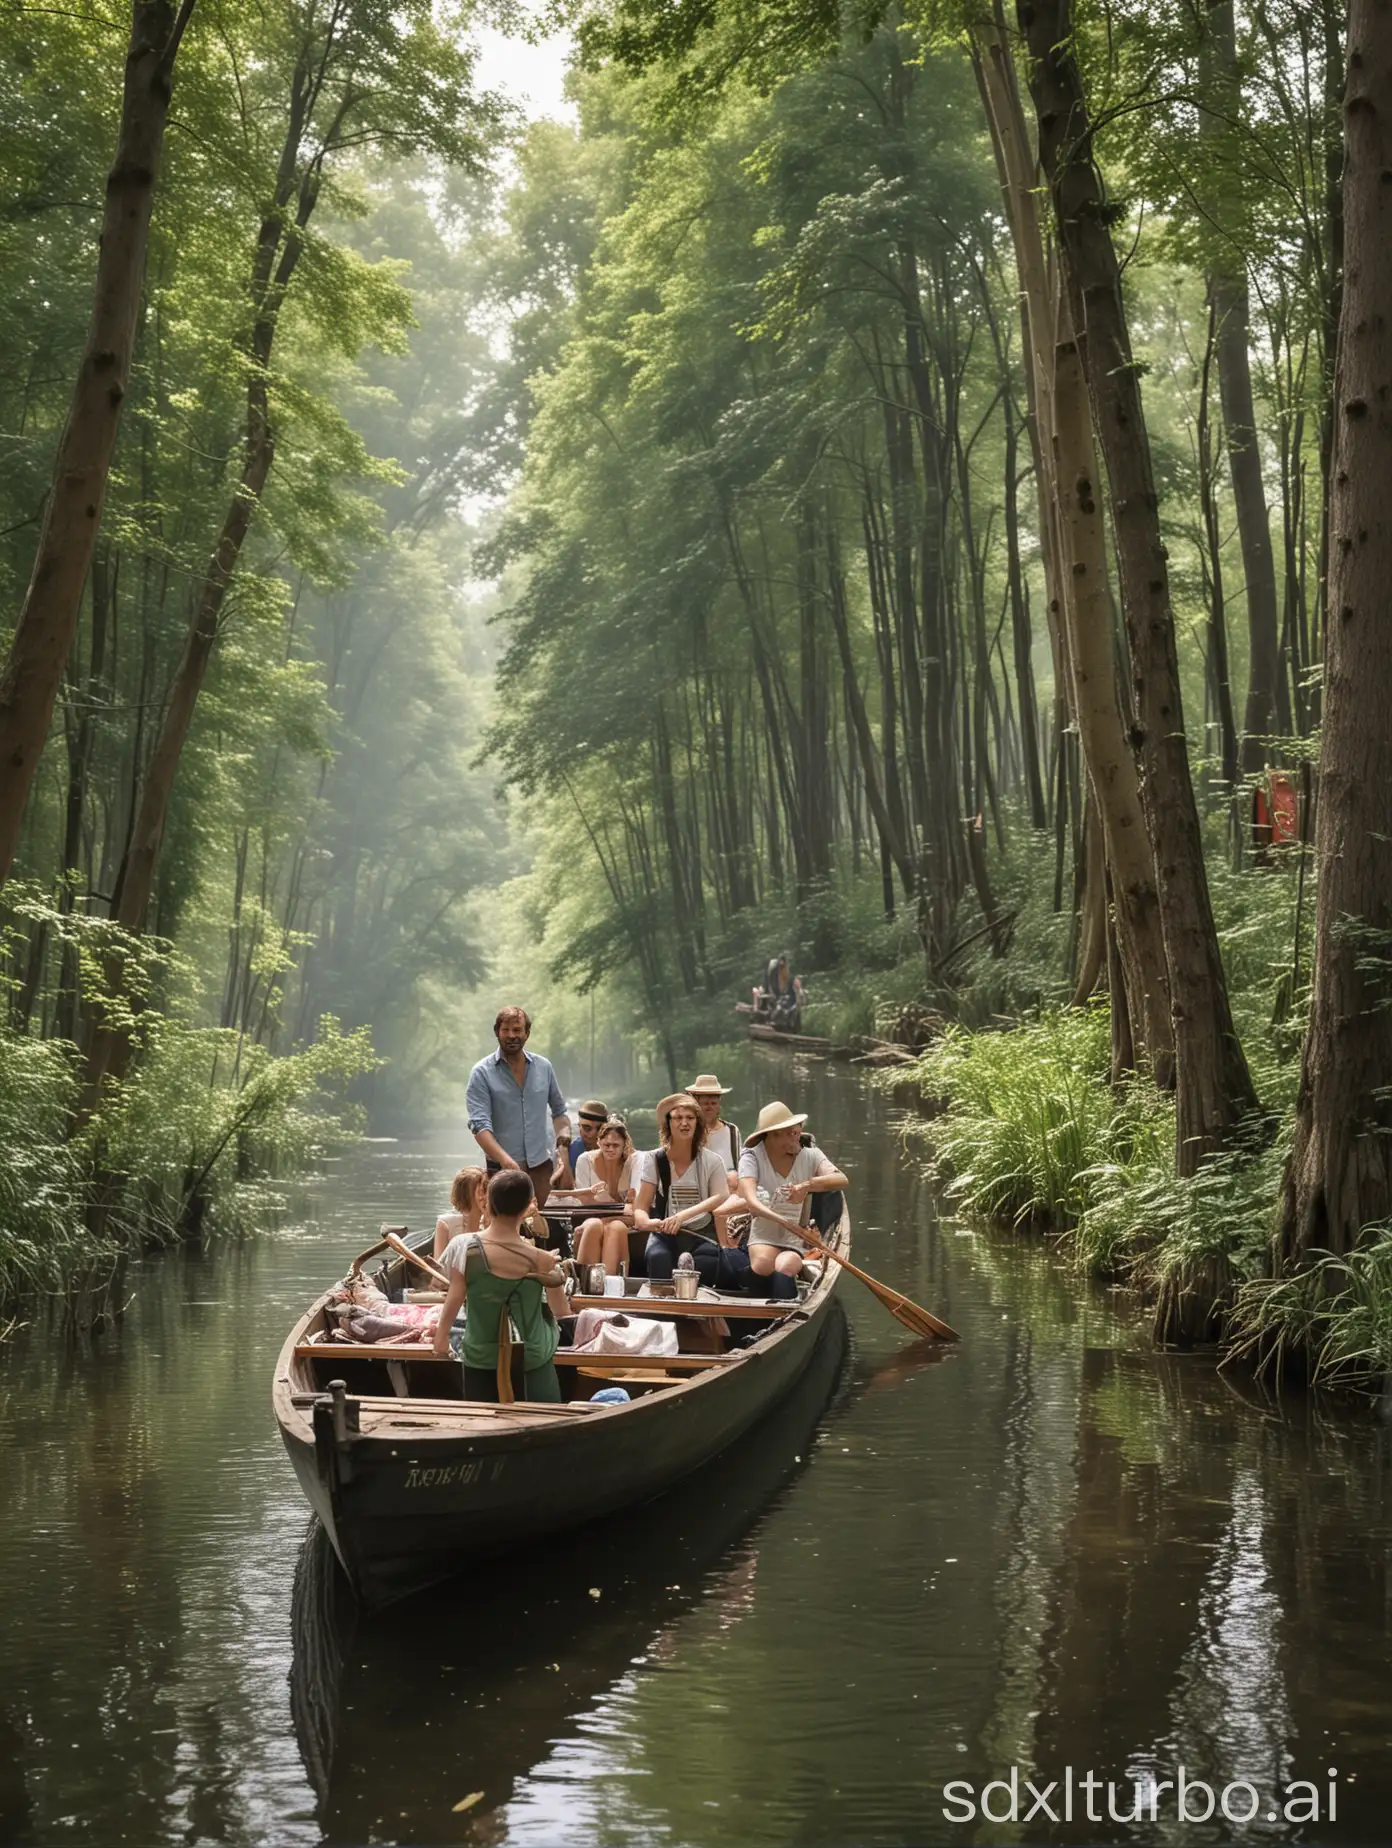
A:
{"points": [[759, 1027], [411, 1480]]}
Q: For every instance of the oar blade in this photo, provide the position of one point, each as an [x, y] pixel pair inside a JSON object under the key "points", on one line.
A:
{"points": [[921, 1322]]}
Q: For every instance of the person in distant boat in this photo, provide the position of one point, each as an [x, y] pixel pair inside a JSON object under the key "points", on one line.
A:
{"points": [[517, 1111], [502, 1281], [681, 1191], [777, 1172], [722, 1137], [468, 1200], [592, 1116], [783, 993], [604, 1175]]}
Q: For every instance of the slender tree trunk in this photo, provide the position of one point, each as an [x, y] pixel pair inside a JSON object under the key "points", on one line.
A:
{"points": [[1101, 723], [1228, 302], [1214, 1089], [72, 515], [1339, 1181], [1219, 676], [1020, 628], [279, 245]]}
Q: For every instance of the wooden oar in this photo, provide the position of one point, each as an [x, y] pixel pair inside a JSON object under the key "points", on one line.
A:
{"points": [[389, 1237], [428, 1265], [903, 1308]]}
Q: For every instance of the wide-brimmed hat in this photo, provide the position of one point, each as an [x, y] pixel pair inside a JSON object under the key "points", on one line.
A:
{"points": [[593, 1109], [771, 1117], [669, 1104], [708, 1085]]}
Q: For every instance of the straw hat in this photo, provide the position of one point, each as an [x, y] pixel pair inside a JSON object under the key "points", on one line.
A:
{"points": [[593, 1109], [771, 1117], [708, 1085], [669, 1104]]}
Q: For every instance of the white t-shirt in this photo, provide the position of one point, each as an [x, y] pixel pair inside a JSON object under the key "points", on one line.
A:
{"points": [[705, 1178], [721, 1142], [585, 1175], [771, 1186]]}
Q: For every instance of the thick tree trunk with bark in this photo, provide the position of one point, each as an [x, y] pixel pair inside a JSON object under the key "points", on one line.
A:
{"points": [[1101, 725], [1340, 1176], [72, 515], [1213, 1086]]}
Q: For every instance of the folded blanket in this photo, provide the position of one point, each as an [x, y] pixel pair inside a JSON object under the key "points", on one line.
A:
{"points": [[610, 1331]]}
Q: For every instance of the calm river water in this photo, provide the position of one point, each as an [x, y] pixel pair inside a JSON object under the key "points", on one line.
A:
{"points": [[1050, 1548]]}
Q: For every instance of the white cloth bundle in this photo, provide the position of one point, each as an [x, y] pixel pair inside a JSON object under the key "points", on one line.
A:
{"points": [[610, 1331]]}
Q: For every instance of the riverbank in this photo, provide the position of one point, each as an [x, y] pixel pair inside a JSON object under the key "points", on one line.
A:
{"points": [[1023, 1127], [180, 1151]]}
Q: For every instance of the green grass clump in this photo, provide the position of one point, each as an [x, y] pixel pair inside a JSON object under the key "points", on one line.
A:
{"points": [[1034, 1134], [1331, 1321], [1030, 1114]]}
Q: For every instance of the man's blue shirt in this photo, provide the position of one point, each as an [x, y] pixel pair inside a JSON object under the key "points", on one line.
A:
{"points": [[518, 1115]]}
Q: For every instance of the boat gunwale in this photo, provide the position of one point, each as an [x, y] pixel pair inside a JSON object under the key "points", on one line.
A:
{"points": [[495, 1427]]}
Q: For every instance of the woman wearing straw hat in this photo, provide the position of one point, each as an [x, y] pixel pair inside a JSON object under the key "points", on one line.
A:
{"points": [[721, 1136], [776, 1175], [682, 1188]]}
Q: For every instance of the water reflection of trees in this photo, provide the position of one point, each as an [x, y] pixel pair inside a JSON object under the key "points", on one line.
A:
{"points": [[1188, 1574]]}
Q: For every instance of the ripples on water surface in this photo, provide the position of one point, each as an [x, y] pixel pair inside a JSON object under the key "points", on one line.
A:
{"points": [[1051, 1547]]}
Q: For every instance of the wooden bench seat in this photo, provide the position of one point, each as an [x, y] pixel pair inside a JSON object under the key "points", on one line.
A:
{"points": [[737, 1309]]}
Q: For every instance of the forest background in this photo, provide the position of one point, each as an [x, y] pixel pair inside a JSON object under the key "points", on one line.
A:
{"points": [[860, 486]]}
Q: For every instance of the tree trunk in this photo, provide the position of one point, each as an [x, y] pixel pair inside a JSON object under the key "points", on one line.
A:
{"points": [[1339, 1180], [1213, 1086], [1220, 679], [1101, 724], [1228, 301], [72, 515], [279, 245]]}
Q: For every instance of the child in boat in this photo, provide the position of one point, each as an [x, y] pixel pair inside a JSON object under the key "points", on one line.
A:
{"points": [[497, 1272], [467, 1199], [777, 1173], [681, 1191], [605, 1173]]}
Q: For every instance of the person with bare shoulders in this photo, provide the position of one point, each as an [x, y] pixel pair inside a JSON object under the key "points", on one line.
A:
{"points": [[496, 1272], [468, 1202], [777, 1173], [604, 1175]]}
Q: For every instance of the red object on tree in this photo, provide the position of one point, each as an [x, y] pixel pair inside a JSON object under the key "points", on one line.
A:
{"points": [[1285, 810]]}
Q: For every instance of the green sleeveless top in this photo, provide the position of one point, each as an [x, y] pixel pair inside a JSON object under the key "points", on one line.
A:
{"points": [[489, 1298]]}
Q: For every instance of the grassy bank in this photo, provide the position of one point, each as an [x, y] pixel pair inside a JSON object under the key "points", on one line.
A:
{"points": [[184, 1148], [1027, 1131]]}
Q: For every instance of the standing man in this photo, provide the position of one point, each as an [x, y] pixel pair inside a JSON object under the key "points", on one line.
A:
{"points": [[516, 1110]]}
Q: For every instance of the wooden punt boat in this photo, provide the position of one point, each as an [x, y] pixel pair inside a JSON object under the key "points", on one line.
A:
{"points": [[411, 1481]]}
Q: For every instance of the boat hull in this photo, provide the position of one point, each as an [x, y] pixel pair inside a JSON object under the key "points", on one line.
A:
{"points": [[407, 1506]]}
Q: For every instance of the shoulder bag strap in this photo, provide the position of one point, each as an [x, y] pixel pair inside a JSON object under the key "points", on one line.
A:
{"points": [[664, 1182]]}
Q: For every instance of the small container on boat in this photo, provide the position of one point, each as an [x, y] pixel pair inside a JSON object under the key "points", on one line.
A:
{"points": [[686, 1283], [595, 1279]]}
